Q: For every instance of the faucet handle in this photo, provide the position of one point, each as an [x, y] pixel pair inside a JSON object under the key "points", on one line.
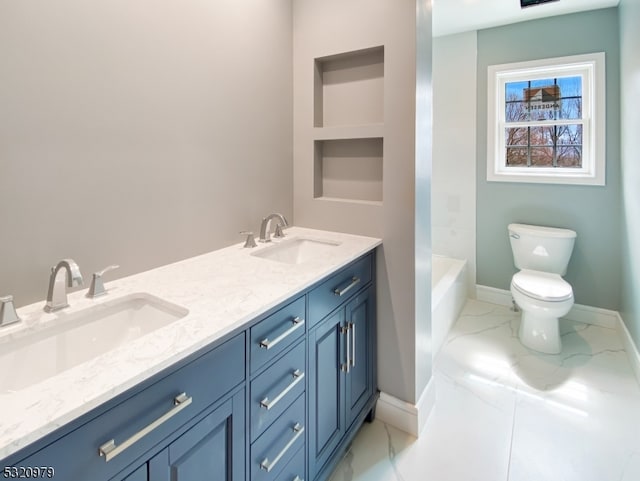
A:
{"points": [[251, 241], [279, 231], [97, 284], [8, 314]]}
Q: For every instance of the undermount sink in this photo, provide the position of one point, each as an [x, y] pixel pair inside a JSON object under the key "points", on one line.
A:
{"points": [[297, 250], [35, 355]]}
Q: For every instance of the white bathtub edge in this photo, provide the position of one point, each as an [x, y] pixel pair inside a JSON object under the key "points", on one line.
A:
{"points": [[448, 297]]}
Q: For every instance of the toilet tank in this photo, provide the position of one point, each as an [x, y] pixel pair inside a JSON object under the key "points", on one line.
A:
{"points": [[539, 248]]}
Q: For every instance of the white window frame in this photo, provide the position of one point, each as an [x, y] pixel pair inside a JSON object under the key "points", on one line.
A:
{"points": [[591, 67]]}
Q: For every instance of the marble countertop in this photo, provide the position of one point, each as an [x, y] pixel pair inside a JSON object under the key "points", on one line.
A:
{"points": [[223, 290]]}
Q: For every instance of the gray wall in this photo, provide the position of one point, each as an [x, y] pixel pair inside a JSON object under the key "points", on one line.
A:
{"points": [[629, 11], [138, 133], [329, 27], [593, 212]]}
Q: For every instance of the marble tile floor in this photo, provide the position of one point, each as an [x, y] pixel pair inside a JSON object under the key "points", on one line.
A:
{"points": [[504, 412]]}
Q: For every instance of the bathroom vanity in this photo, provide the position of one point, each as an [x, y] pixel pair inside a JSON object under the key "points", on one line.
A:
{"points": [[271, 384]]}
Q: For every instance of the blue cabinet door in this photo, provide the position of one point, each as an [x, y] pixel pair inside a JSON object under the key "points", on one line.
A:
{"points": [[212, 450], [326, 390], [360, 380], [140, 474]]}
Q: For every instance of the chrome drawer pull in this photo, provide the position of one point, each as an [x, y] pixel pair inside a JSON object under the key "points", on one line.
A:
{"points": [[267, 465], [352, 326], [297, 377], [341, 292], [109, 450], [347, 365], [297, 323], [298, 478]]}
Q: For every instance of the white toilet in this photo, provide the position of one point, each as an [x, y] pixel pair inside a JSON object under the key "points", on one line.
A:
{"points": [[542, 255]]}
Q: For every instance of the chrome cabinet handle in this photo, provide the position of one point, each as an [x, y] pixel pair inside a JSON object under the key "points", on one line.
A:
{"points": [[352, 327], [298, 478], [267, 465], [109, 450], [346, 366], [341, 292], [297, 377], [297, 323]]}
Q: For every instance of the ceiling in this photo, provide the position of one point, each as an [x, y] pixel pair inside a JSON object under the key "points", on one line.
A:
{"points": [[454, 16]]}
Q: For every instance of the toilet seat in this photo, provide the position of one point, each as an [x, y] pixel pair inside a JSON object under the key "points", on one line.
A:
{"points": [[543, 286]]}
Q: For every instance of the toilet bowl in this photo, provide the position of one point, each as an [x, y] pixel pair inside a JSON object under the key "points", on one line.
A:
{"points": [[542, 255], [543, 298]]}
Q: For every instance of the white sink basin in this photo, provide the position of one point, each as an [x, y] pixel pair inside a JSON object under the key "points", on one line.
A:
{"points": [[35, 355], [296, 250]]}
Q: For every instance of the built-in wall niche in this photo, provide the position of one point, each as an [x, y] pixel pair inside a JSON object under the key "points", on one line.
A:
{"points": [[348, 169], [349, 88]]}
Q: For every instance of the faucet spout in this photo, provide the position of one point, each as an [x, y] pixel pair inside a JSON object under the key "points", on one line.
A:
{"points": [[265, 236], [57, 293]]}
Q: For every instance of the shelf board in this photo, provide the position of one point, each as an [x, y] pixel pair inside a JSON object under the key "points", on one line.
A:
{"points": [[349, 201], [368, 131]]}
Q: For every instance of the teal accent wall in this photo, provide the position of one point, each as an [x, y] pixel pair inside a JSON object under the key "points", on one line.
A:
{"points": [[629, 11], [594, 212]]}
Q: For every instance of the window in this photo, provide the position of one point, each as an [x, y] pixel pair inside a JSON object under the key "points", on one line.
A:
{"points": [[546, 121]]}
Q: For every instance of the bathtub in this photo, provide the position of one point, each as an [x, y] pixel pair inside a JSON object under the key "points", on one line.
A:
{"points": [[448, 295]]}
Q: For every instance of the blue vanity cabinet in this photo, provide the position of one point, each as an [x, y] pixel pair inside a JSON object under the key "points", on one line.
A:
{"points": [[212, 449], [342, 389], [114, 441], [140, 474], [360, 380], [277, 400], [327, 359]]}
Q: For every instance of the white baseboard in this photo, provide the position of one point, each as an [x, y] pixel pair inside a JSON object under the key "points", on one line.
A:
{"points": [[405, 416], [493, 295], [579, 313], [630, 347]]}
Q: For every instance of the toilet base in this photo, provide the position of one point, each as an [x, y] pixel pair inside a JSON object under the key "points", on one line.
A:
{"points": [[540, 333]]}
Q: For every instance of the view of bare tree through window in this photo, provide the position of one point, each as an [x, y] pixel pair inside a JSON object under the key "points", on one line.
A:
{"points": [[544, 122]]}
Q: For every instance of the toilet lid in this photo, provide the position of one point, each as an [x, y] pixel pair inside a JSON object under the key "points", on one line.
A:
{"points": [[542, 285]]}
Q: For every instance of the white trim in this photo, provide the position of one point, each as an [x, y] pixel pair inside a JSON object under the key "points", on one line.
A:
{"points": [[405, 416], [591, 68], [629, 346], [493, 295], [580, 313], [593, 315]]}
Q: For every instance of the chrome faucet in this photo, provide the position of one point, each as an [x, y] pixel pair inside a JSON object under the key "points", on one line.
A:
{"points": [[57, 294], [265, 236]]}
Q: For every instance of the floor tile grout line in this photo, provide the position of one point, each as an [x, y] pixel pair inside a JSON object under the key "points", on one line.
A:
{"points": [[513, 428]]}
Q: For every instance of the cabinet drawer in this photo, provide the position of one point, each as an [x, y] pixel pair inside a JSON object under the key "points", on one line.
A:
{"points": [[274, 334], [294, 471], [276, 388], [338, 288], [152, 411], [277, 446]]}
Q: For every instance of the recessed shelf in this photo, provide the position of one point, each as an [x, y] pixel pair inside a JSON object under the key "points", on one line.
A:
{"points": [[348, 169], [349, 88]]}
